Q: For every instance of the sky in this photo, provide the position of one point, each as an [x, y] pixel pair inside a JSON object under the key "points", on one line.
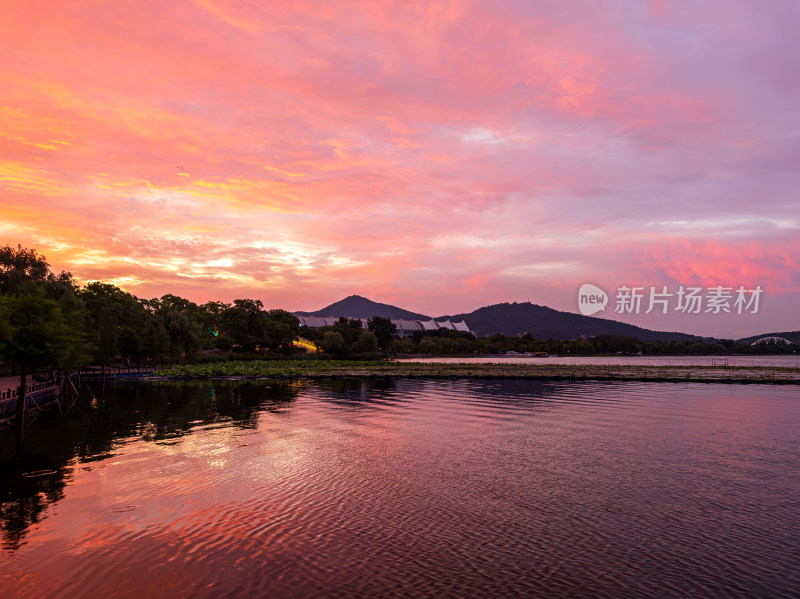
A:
{"points": [[440, 156]]}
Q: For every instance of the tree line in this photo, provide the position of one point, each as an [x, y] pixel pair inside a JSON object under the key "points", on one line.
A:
{"points": [[446, 342], [346, 339], [48, 320]]}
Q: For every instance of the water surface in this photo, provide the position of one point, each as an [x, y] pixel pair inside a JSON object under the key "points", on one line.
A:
{"points": [[763, 361], [407, 488]]}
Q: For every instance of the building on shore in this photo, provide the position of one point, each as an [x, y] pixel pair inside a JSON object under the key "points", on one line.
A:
{"points": [[404, 327]]}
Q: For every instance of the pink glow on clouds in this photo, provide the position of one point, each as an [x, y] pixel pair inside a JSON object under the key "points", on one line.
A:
{"points": [[437, 155]]}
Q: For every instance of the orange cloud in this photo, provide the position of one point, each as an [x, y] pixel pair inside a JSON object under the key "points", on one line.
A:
{"points": [[430, 152]]}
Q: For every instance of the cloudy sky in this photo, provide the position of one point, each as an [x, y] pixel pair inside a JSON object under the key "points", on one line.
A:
{"points": [[440, 156]]}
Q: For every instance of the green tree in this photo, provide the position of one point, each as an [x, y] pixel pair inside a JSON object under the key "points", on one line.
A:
{"points": [[22, 264], [76, 317], [183, 333], [234, 328], [402, 346], [176, 303], [383, 328], [130, 343], [211, 321], [281, 328], [110, 310], [348, 329], [429, 345], [367, 343], [245, 323], [332, 342], [155, 341], [181, 320], [34, 335]]}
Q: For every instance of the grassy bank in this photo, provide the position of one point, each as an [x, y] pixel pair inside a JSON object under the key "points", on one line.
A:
{"points": [[342, 369]]}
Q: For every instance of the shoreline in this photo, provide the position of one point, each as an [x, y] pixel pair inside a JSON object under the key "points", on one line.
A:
{"points": [[406, 369]]}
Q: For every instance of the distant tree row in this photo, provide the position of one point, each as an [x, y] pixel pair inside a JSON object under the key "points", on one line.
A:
{"points": [[347, 339], [447, 342]]}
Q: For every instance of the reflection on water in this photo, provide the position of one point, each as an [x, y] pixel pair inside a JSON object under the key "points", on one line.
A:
{"points": [[456, 488], [106, 419]]}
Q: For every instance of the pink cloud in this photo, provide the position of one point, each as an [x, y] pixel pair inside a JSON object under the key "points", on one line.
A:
{"points": [[441, 155]]}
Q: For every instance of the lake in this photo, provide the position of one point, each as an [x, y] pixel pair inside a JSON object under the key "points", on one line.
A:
{"points": [[778, 361], [406, 488]]}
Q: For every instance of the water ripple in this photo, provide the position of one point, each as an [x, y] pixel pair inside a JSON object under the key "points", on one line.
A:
{"points": [[414, 488]]}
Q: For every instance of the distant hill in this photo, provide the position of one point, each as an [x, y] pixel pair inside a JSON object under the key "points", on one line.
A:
{"points": [[356, 306], [512, 319], [546, 323], [793, 336]]}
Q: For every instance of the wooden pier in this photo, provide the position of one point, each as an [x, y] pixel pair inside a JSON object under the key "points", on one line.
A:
{"points": [[40, 394], [110, 373], [55, 389]]}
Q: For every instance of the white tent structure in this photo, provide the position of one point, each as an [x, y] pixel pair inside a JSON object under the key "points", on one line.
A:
{"points": [[461, 326], [404, 327], [429, 325]]}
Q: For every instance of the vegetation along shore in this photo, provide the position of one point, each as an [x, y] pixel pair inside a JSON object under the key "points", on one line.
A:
{"points": [[403, 368]]}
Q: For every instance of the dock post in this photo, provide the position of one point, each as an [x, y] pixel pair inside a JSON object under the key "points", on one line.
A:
{"points": [[23, 384]]}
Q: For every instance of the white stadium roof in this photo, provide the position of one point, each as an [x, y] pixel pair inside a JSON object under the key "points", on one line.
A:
{"points": [[404, 327]]}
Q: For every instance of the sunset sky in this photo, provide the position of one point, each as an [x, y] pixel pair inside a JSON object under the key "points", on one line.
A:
{"points": [[439, 156]]}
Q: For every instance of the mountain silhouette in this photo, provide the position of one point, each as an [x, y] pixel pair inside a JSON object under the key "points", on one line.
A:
{"points": [[356, 306], [509, 319], [546, 323]]}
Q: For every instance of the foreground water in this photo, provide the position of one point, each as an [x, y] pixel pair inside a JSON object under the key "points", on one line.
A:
{"points": [[408, 488]]}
